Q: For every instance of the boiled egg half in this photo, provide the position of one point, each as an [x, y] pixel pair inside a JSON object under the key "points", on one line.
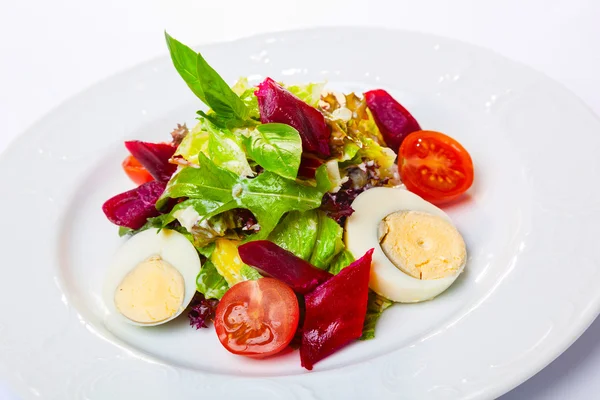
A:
{"points": [[152, 278], [418, 251]]}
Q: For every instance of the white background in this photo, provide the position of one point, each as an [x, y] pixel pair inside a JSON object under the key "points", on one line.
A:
{"points": [[51, 50]]}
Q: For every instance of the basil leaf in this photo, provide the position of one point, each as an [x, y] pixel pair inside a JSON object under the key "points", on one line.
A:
{"points": [[329, 242], [297, 232], [376, 305], [210, 283], [276, 148], [205, 82]]}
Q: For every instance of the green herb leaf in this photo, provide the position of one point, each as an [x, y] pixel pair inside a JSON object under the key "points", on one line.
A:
{"points": [[205, 82], [210, 283], [222, 146], [249, 274], [207, 250], [193, 215], [324, 182], [329, 242], [208, 183], [125, 231], [341, 261], [155, 222], [246, 92], [194, 143], [297, 232], [276, 148], [224, 149], [269, 196], [375, 307]]}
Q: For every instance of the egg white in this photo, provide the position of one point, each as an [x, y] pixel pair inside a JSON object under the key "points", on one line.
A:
{"points": [[361, 234], [171, 246]]}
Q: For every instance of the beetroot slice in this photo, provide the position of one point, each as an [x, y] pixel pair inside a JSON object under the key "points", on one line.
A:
{"points": [[393, 120], [274, 261], [134, 207], [154, 157], [335, 312], [277, 104], [308, 167]]}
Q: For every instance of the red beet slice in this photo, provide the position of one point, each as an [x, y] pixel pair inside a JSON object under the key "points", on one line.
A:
{"points": [[335, 312], [134, 207], [154, 157], [393, 120], [308, 167], [274, 261], [277, 104]]}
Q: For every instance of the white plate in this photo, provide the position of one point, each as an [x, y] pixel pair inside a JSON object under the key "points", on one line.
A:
{"points": [[531, 224]]}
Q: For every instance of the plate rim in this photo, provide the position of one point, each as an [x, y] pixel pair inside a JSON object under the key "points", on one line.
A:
{"points": [[499, 387]]}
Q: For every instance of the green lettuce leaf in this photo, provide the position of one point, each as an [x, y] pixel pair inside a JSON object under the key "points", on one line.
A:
{"points": [[268, 196], [155, 222], [276, 148], [349, 152], [311, 235], [329, 242], [297, 232], [194, 143], [383, 156], [341, 261], [205, 230], [323, 180], [246, 92], [309, 93], [205, 82], [225, 150], [207, 250], [210, 283], [375, 307], [223, 147], [125, 231], [249, 274], [209, 185]]}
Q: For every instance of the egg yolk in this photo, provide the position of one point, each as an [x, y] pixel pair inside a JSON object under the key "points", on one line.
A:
{"points": [[422, 245], [152, 292]]}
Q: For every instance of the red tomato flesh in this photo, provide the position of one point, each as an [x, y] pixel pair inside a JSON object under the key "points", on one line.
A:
{"points": [[135, 171], [435, 166], [257, 318]]}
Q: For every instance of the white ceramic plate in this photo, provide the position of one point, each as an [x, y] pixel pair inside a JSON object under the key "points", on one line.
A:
{"points": [[531, 223]]}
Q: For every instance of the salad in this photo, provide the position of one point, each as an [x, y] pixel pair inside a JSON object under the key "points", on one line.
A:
{"points": [[289, 215]]}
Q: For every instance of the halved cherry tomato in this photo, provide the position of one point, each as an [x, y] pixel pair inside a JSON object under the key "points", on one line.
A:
{"points": [[257, 318], [135, 171], [435, 166]]}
